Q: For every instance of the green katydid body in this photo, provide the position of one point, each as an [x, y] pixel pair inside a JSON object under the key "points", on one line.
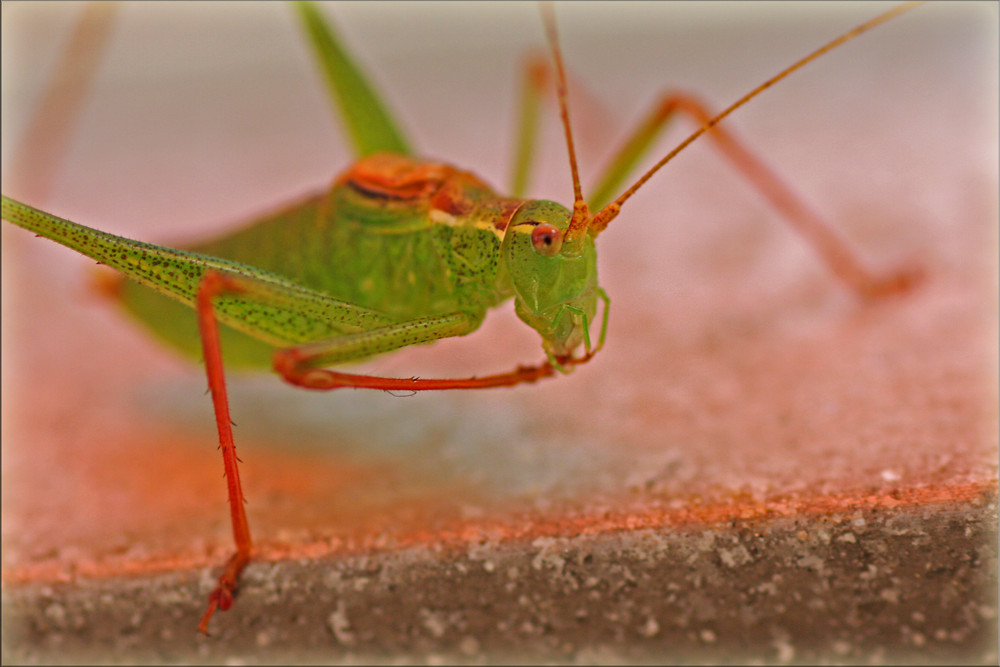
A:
{"points": [[401, 251], [410, 240], [394, 241]]}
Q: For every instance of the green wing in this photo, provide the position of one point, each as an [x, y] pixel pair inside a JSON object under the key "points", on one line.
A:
{"points": [[367, 120]]}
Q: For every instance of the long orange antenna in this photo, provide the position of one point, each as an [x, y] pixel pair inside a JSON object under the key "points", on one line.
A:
{"points": [[608, 213], [581, 214]]}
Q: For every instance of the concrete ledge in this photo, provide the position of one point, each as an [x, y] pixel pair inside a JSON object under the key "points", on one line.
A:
{"points": [[915, 584]]}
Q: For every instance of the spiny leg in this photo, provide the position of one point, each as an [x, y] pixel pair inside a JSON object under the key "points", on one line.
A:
{"points": [[299, 365], [296, 365], [212, 285], [833, 250], [373, 335], [292, 367]]}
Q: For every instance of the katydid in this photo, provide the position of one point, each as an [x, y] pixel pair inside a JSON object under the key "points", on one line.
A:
{"points": [[401, 251]]}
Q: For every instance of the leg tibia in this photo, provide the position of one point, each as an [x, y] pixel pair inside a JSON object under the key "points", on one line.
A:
{"points": [[833, 250], [213, 285]]}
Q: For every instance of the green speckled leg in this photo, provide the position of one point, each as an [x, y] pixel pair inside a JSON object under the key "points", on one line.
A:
{"points": [[379, 341], [367, 334], [301, 365], [298, 365]]}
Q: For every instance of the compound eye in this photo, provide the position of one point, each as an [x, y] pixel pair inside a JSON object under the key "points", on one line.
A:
{"points": [[547, 239]]}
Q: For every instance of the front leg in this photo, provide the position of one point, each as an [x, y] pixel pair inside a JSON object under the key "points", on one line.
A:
{"points": [[213, 285], [300, 365], [253, 291], [294, 368]]}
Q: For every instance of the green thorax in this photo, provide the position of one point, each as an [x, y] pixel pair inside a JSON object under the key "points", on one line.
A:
{"points": [[403, 237]]}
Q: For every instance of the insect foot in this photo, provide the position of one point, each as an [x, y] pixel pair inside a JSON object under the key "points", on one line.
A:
{"points": [[222, 596], [902, 281]]}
